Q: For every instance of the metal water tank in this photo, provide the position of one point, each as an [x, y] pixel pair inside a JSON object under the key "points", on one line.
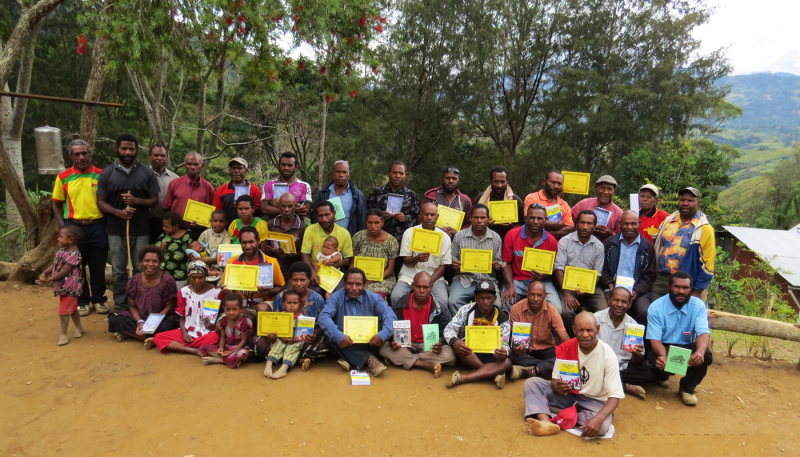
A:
{"points": [[48, 150]]}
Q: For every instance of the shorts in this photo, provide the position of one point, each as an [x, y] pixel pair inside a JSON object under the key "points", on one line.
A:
{"points": [[67, 305]]}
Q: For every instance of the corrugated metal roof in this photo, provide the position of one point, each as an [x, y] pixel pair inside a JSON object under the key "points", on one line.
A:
{"points": [[781, 248]]}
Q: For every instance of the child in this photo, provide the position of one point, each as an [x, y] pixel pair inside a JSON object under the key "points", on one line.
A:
{"points": [[174, 242], [234, 332], [213, 237], [286, 348], [67, 278], [329, 254], [196, 251]]}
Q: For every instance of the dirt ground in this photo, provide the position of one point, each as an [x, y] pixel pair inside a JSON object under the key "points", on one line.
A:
{"points": [[97, 397]]}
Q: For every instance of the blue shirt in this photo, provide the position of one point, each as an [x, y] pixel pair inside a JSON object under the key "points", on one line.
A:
{"points": [[347, 204], [339, 305], [627, 257], [314, 304], [671, 325]]}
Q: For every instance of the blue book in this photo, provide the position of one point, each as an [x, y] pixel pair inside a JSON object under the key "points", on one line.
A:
{"points": [[303, 326], [279, 188], [265, 275], [603, 215], [633, 336], [238, 191], [394, 203]]}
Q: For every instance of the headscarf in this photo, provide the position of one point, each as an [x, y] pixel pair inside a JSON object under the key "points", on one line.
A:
{"points": [[196, 266]]}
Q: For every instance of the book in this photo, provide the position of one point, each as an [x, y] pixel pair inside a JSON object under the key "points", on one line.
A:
{"points": [[521, 334], [554, 213], [211, 309], [303, 326], [394, 203], [359, 378], [569, 372], [225, 252], [402, 333], [279, 188], [634, 202], [626, 282], [678, 360], [337, 205], [152, 323], [603, 215], [265, 275], [633, 335], [430, 335], [238, 191]]}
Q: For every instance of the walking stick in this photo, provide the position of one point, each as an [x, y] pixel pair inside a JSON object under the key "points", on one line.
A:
{"points": [[128, 237]]}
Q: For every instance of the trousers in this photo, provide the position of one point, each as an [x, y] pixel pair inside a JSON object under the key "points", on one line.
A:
{"points": [[94, 254], [356, 354], [694, 375], [539, 396], [545, 359], [119, 263], [552, 294], [589, 302], [407, 357]]}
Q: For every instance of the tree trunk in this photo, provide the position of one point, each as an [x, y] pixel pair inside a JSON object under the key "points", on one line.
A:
{"points": [[753, 326], [321, 163], [94, 89], [36, 260]]}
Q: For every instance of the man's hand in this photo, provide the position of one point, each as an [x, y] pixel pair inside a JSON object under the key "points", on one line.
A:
{"points": [[126, 213], [128, 199], [634, 296], [376, 341], [561, 387], [500, 354], [193, 225], [661, 362], [387, 215], [264, 291], [592, 427], [436, 348], [310, 338], [346, 342], [696, 359], [536, 276], [423, 256], [456, 265], [571, 301], [509, 297], [603, 231], [301, 210], [399, 217], [451, 232], [497, 265], [396, 346], [461, 349], [519, 350], [639, 349]]}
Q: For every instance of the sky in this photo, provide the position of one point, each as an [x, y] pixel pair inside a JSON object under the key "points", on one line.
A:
{"points": [[761, 35]]}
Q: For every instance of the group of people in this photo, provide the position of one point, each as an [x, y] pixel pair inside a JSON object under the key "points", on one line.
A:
{"points": [[652, 268]]}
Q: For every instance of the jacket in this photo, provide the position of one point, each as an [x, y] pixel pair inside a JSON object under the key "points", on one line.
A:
{"points": [[701, 251], [440, 315], [358, 215], [466, 204], [644, 270]]}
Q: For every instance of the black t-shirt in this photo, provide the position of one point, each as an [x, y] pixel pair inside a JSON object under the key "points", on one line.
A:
{"points": [[115, 181], [520, 214]]}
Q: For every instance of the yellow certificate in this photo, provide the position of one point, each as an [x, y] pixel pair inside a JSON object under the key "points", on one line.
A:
{"points": [[241, 277], [482, 339], [287, 241], [476, 260], [579, 279], [504, 211], [282, 324], [426, 240], [329, 278], [360, 329], [199, 213], [539, 260], [449, 217], [373, 267], [576, 183]]}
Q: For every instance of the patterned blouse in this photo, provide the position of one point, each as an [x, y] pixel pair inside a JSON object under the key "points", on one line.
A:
{"points": [[363, 247], [175, 257], [190, 306], [150, 300], [233, 335], [72, 284]]}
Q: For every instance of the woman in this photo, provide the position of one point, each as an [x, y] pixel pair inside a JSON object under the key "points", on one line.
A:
{"points": [[195, 331], [152, 291], [374, 242]]}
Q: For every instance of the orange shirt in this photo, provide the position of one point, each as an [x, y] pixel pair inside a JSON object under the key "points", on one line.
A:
{"points": [[542, 323], [541, 198]]}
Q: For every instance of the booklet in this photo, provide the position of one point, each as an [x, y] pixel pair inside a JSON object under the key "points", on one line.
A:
{"points": [[225, 252], [569, 372], [238, 191], [603, 215], [265, 275], [211, 309], [152, 323], [626, 282], [554, 213], [303, 326], [430, 333], [521, 334], [337, 205], [678, 360], [279, 188], [359, 378], [394, 203], [633, 336], [402, 333]]}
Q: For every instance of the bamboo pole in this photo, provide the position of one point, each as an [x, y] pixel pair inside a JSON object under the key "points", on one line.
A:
{"points": [[51, 98]]}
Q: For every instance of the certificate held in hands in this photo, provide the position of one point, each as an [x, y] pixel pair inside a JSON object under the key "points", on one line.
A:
{"points": [[538, 260], [329, 278], [482, 338], [579, 279], [360, 329], [373, 267], [504, 212], [281, 324], [476, 260], [426, 240], [198, 212], [241, 277], [449, 217], [576, 183]]}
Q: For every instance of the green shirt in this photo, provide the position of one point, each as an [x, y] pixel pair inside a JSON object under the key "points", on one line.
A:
{"points": [[315, 235]]}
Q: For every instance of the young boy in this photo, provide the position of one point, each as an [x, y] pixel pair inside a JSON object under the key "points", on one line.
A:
{"points": [[213, 237]]}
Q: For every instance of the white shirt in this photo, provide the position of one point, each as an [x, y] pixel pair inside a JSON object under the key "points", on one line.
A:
{"points": [[613, 336], [408, 272], [599, 372]]}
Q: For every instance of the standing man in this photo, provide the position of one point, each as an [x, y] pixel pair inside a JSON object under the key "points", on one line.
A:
{"points": [[604, 187], [189, 187], [158, 162], [287, 167], [680, 319], [630, 262], [499, 190], [77, 186], [650, 217], [549, 196], [316, 234], [126, 190], [686, 243], [225, 197], [395, 224], [448, 195], [291, 224], [353, 202]]}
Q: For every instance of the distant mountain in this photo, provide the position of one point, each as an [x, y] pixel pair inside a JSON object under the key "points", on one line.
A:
{"points": [[768, 99]]}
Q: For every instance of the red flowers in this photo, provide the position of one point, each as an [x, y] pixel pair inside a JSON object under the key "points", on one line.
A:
{"points": [[228, 20], [278, 18], [322, 70], [81, 44], [300, 8], [382, 19], [242, 18], [81, 39], [297, 18], [242, 30], [330, 98], [288, 62], [301, 66], [347, 72], [349, 40], [353, 93], [210, 36], [379, 29], [375, 69], [361, 21]]}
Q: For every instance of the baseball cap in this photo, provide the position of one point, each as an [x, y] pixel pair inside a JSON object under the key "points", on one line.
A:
{"points": [[567, 418], [691, 190], [485, 286], [651, 187], [240, 161], [606, 179]]}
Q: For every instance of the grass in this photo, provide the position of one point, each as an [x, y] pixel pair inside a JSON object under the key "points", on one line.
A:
{"points": [[781, 349]]}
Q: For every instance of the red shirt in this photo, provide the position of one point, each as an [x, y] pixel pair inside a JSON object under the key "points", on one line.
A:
{"points": [[649, 225], [417, 318], [514, 249], [181, 190]]}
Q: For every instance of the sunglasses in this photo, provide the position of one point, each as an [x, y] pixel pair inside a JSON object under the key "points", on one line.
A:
{"points": [[451, 170]]}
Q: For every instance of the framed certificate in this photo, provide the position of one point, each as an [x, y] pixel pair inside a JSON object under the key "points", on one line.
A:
{"points": [[241, 277], [285, 240], [329, 278], [225, 252], [373, 267], [504, 211], [482, 339], [579, 279], [360, 328], [476, 260], [282, 324], [449, 217], [426, 240], [538, 260], [199, 213], [576, 183]]}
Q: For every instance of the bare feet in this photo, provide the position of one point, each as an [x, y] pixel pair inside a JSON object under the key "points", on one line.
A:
{"points": [[63, 340], [636, 391], [120, 336], [541, 428], [78, 332], [454, 380], [281, 372], [306, 364], [437, 370], [207, 360], [149, 343], [268, 369]]}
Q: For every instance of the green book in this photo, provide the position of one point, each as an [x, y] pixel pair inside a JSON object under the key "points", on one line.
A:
{"points": [[678, 360], [337, 203], [430, 333]]}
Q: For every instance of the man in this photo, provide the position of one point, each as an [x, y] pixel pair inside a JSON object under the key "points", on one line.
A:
{"points": [[604, 187], [355, 300], [482, 312], [552, 187], [158, 162], [126, 190], [245, 207], [287, 167], [580, 249], [77, 187], [633, 370], [448, 195], [499, 190], [316, 234], [650, 217], [415, 262], [421, 308], [189, 187], [291, 224], [353, 202], [601, 388], [396, 223], [630, 262], [538, 356], [251, 255], [686, 243], [680, 319], [476, 236], [226, 195], [531, 235]]}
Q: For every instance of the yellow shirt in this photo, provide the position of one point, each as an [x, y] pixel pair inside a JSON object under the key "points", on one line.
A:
{"points": [[315, 236], [78, 189], [260, 226]]}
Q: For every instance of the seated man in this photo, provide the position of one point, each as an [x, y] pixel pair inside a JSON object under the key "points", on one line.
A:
{"points": [[355, 300], [601, 388], [420, 307], [680, 319], [539, 355], [481, 312], [316, 234], [632, 367]]}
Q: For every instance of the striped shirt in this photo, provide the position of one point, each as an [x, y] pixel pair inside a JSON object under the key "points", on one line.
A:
{"points": [[78, 189], [466, 239]]}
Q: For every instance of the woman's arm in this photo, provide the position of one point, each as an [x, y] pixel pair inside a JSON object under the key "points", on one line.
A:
{"points": [[186, 337], [169, 306]]}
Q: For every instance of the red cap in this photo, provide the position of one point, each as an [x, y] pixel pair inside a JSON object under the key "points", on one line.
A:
{"points": [[567, 418]]}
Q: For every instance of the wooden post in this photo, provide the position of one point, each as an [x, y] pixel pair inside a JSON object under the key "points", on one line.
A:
{"points": [[753, 326]]}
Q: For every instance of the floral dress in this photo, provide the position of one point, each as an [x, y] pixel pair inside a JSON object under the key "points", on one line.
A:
{"points": [[233, 336], [175, 257], [363, 247], [72, 284]]}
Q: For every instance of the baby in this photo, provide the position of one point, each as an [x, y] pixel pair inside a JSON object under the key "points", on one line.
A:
{"points": [[196, 249], [329, 254]]}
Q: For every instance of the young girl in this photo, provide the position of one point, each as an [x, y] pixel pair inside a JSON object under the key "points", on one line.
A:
{"points": [[175, 241], [234, 332], [67, 278], [286, 348]]}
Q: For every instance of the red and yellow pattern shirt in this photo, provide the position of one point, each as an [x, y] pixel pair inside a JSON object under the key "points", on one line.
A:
{"points": [[78, 189]]}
